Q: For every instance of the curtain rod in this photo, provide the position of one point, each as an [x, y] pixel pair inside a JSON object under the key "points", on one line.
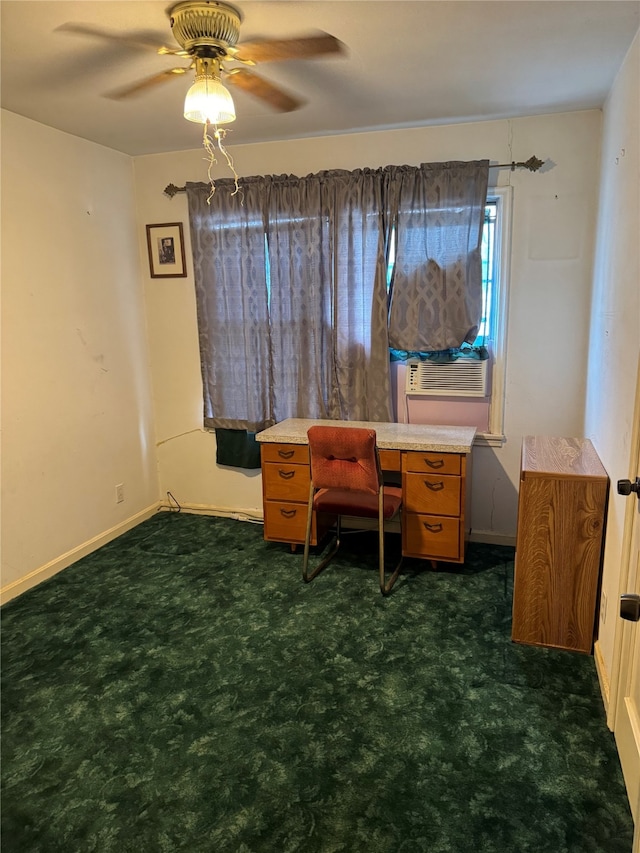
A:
{"points": [[532, 164]]}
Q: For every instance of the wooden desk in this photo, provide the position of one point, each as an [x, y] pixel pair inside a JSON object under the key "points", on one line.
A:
{"points": [[431, 460], [561, 519]]}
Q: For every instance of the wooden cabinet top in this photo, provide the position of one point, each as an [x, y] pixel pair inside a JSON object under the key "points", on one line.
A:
{"points": [[565, 458]]}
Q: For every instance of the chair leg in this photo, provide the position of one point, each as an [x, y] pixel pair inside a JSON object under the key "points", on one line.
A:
{"points": [[307, 535], [306, 575], [385, 586]]}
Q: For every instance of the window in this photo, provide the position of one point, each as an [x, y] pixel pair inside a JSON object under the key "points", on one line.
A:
{"points": [[492, 330], [495, 280], [488, 267], [293, 314]]}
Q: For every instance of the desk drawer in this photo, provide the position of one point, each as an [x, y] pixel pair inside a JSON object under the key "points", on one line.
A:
{"points": [[431, 536], [294, 454], [285, 521], [434, 463], [432, 493], [286, 482]]}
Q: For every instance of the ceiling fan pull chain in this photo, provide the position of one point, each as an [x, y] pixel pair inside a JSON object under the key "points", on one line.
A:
{"points": [[220, 135], [209, 144]]}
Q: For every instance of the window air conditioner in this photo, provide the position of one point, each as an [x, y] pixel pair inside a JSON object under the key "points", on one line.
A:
{"points": [[465, 377]]}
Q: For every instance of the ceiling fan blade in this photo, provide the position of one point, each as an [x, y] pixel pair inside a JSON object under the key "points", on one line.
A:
{"points": [[262, 89], [273, 50], [143, 85], [135, 39]]}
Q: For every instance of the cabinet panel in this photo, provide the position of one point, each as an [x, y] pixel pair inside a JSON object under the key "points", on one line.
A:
{"points": [[390, 460]]}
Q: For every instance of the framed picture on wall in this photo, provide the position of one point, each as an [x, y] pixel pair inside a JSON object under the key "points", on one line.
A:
{"points": [[166, 250]]}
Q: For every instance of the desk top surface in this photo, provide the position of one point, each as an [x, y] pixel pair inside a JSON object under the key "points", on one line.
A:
{"points": [[421, 437]]}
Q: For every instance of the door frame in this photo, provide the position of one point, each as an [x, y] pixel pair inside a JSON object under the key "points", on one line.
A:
{"points": [[622, 651]]}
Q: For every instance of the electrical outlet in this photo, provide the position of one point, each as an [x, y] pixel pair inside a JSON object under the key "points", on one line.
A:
{"points": [[120, 493], [603, 607]]}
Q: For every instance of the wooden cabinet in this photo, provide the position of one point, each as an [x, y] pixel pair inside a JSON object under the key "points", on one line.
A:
{"points": [[433, 513], [561, 519]]}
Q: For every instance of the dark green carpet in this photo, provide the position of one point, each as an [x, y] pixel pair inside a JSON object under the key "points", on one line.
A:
{"points": [[182, 689]]}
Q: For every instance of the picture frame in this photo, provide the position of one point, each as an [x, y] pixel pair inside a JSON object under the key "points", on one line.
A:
{"points": [[165, 242]]}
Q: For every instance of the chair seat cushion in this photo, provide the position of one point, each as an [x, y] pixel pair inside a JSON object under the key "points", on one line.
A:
{"points": [[347, 502]]}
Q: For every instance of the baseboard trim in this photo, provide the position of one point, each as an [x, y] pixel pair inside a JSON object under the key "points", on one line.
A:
{"points": [[488, 537], [603, 677], [16, 588]]}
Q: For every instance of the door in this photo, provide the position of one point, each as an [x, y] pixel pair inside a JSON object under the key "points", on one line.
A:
{"points": [[627, 714]]}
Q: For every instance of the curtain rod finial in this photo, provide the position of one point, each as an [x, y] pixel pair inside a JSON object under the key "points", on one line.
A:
{"points": [[533, 164], [172, 189]]}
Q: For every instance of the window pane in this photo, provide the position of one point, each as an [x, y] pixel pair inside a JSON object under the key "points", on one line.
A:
{"points": [[488, 270]]}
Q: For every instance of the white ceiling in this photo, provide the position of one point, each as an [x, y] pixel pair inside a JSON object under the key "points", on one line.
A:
{"points": [[406, 64]]}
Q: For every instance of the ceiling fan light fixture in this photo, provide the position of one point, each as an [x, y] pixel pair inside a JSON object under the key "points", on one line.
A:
{"points": [[209, 102]]}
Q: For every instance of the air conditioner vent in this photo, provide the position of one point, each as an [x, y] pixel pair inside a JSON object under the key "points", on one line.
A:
{"points": [[462, 378]]}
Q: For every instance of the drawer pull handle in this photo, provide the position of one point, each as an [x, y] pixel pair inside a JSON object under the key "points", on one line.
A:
{"points": [[285, 454], [433, 528], [434, 463], [286, 475], [435, 487], [288, 513]]}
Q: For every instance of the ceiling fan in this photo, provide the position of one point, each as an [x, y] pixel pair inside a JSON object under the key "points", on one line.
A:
{"points": [[207, 32]]}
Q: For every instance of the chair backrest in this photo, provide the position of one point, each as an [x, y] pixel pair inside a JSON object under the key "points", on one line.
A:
{"points": [[344, 458]]}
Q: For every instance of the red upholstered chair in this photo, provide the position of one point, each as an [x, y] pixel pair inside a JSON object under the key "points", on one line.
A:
{"points": [[346, 480]]}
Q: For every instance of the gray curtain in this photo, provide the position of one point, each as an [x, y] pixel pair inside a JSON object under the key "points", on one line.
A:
{"points": [[362, 388], [436, 296], [229, 260], [291, 293], [301, 297]]}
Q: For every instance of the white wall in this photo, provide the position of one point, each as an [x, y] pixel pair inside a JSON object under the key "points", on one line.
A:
{"points": [[554, 216], [615, 324], [76, 402]]}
